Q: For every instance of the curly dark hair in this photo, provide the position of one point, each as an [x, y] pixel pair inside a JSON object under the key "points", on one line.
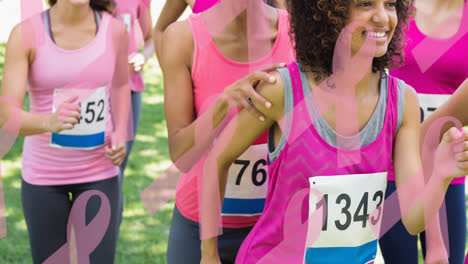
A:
{"points": [[98, 5], [316, 25]]}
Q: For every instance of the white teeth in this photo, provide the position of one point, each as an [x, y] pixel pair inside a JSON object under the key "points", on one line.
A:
{"points": [[376, 34]]}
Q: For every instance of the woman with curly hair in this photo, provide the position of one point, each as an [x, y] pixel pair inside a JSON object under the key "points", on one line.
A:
{"points": [[72, 60], [325, 178]]}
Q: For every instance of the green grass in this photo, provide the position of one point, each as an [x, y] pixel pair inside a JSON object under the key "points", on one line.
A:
{"points": [[143, 238]]}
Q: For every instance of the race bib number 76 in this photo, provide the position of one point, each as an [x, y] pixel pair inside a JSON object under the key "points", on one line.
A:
{"points": [[247, 183]]}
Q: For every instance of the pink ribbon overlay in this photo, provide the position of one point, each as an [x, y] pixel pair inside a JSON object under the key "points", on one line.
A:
{"points": [[438, 48], [8, 133], [292, 249], [163, 188], [88, 236]]}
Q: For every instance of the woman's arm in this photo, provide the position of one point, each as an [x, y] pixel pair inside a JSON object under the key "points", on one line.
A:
{"points": [[15, 78], [453, 107], [178, 94], [435, 248], [238, 135], [421, 194], [171, 11], [146, 23], [120, 93], [139, 59], [181, 119]]}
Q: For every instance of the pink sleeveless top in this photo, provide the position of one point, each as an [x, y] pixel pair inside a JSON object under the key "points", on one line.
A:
{"points": [[202, 5], [128, 12], [444, 76], [211, 73], [89, 67], [308, 163]]}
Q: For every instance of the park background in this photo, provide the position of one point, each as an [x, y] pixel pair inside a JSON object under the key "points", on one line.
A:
{"points": [[143, 238]]}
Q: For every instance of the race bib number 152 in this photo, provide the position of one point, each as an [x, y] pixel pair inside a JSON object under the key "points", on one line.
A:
{"points": [[89, 132]]}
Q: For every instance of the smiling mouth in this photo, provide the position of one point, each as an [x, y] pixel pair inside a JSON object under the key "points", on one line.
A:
{"points": [[378, 36]]}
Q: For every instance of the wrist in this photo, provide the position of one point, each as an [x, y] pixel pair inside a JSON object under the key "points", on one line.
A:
{"points": [[145, 57], [46, 124], [209, 247], [439, 178], [447, 181]]}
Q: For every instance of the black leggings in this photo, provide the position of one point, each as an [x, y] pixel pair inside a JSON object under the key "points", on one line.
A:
{"points": [[47, 208], [184, 242]]}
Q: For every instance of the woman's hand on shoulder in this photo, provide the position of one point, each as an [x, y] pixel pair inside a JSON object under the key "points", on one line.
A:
{"points": [[244, 92]]}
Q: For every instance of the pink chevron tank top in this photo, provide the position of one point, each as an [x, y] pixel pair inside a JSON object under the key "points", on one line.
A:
{"points": [[308, 166]]}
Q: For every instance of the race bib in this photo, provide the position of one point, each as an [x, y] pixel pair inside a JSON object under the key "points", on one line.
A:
{"points": [[346, 235], [428, 103], [247, 183], [89, 132]]}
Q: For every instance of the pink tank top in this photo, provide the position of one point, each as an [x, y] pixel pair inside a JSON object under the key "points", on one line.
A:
{"points": [[443, 77], [202, 5], [90, 67], [307, 163], [128, 12], [211, 73]]}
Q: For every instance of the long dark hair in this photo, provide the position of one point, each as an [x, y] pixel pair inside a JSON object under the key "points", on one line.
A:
{"points": [[98, 5]]}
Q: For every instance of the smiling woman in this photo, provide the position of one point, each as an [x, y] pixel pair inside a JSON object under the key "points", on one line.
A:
{"points": [[319, 26]]}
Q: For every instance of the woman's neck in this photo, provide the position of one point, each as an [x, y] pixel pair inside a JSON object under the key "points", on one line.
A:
{"points": [[438, 18], [254, 9], [436, 6], [368, 85], [70, 14]]}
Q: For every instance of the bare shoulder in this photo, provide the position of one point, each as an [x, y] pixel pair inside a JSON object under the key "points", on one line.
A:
{"points": [[177, 43], [179, 33], [273, 92], [22, 35], [411, 97], [15, 38], [21, 42], [411, 112]]}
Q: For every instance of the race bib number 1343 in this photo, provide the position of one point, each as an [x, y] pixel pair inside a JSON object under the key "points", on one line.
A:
{"points": [[348, 200]]}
